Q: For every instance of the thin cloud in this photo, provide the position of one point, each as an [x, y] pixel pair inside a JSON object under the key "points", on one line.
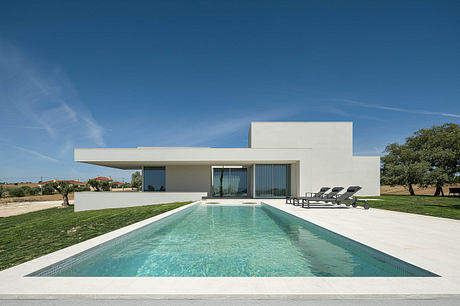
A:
{"points": [[210, 129], [34, 153], [23, 127], [95, 131], [401, 110], [44, 99], [341, 112]]}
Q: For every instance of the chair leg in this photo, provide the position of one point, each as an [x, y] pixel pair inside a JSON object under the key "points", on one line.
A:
{"points": [[366, 205], [355, 203]]}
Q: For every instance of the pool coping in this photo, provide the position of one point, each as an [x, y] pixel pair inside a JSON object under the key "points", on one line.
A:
{"points": [[14, 284]]}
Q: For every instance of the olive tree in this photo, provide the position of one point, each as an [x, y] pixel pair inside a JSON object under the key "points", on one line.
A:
{"points": [[105, 186], [95, 184], [64, 189]]}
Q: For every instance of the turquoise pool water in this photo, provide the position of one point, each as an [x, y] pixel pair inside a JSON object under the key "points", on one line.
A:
{"points": [[248, 240]]}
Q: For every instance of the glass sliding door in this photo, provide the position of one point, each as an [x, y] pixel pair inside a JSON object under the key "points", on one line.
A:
{"points": [[272, 181], [154, 179], [229, 182]]}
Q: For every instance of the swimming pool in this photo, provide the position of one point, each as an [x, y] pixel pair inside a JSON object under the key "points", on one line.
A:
{"points": [[208, 240]]}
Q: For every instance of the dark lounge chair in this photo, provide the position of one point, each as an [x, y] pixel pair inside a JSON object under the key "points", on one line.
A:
{"points": [[294, 199], [328, 196], [345, 198]]}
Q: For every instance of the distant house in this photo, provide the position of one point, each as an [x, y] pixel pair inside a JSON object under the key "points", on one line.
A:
{"points": [[107, 179], [103, 179]]}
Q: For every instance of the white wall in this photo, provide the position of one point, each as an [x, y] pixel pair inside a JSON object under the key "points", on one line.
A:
{"points": [[366, 173], [328, 136], [188, 178], [329, 162], [102, 200]]}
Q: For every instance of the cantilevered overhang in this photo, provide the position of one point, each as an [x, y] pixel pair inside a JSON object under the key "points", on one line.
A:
{"points": [[136, 158]]}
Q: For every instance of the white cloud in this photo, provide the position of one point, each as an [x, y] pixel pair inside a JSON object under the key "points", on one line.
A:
{"points": [[211, 128], [341, 112], [32, 152], [401, 110], [41, 98]]}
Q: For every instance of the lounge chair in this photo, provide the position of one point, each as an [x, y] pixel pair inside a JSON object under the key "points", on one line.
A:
{"points": [[345, 198], [327, 196], [320, 193]]}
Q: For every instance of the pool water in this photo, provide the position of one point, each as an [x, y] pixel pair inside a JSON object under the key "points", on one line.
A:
{"points": [[246, 240]]}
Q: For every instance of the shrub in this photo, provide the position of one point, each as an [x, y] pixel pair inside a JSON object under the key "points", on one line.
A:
{"points": [[16, 192], [95, 184], [47, 189], [82, 188], [105, 186]]}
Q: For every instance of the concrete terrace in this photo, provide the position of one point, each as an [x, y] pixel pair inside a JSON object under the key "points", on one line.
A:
{"points": [[428, 242]]}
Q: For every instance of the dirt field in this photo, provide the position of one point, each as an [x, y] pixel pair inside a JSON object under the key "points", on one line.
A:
{"points": [[18, 208], [51, 197], [400, 190], [17, 185]]}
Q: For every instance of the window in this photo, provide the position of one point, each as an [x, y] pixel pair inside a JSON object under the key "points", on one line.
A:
{"points": [[154, 179], [230, 182], [273, 181]]}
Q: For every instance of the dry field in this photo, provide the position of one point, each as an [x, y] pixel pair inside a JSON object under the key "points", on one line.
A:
{"points": [[401, 190], [17, 185], [51, 197]]}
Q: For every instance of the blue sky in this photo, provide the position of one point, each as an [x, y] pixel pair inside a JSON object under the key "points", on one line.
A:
{"points": [[195, 73]]}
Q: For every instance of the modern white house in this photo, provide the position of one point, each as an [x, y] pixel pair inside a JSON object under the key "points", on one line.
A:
{"points": [[282, 158]]}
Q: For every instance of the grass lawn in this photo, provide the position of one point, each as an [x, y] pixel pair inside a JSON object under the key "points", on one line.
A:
{"points": [[34, 234], [445, 207]]}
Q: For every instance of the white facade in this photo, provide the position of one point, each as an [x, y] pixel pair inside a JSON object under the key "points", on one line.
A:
{"points": [[318, 154]]}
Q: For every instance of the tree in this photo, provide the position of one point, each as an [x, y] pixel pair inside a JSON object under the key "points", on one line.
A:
{"points": [[431, 157], [95, 184], [136, 180], [47, 189], [403, 166], [221, 180], [2, 191], [105, 186], [64, 189], [440, 147]]}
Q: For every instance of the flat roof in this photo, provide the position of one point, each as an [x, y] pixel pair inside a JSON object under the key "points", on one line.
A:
{"points": [[135, 158]]}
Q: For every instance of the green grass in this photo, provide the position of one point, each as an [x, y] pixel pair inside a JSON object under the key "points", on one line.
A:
{"points": [[445, 207], [34, 234]]}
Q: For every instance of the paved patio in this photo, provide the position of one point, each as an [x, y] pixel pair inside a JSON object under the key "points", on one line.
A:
{"points": [[428, 242]]}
